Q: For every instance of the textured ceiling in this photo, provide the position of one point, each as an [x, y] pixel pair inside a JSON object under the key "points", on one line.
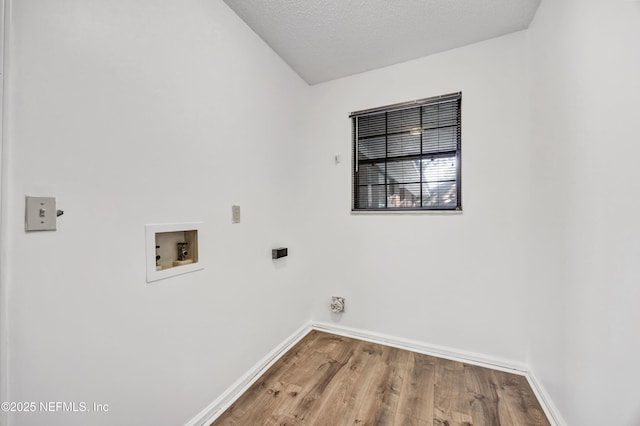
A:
{"points": [[327, 39]]}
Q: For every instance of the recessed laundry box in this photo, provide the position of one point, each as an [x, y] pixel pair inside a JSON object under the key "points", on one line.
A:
{"points": [[172, 249]]}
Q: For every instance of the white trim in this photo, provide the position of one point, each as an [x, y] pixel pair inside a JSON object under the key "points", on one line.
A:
{"points": [[495, 363], [552, 412], [425, 348], [224, 401], [228, 397]]}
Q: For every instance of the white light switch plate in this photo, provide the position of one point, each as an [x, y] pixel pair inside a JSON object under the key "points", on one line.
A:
{"points": [[40, 214]]}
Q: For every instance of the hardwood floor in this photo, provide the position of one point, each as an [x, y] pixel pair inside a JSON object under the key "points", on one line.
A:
{"points": [[332, 380]]}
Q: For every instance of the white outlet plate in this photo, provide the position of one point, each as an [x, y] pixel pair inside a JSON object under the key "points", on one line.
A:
{"points": [[235, 214], [337, 305]]}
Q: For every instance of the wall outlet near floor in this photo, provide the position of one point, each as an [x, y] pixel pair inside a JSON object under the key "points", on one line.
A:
{"points": [[337, 305]]}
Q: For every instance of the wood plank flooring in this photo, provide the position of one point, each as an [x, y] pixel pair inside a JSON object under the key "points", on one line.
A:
{"points": [[332, 380]]}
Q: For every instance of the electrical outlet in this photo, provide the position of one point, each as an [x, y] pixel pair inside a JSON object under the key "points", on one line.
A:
{"points": [[277, 253], [235, 214], [337, 305]]}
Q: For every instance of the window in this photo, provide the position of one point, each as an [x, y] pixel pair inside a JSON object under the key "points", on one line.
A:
{"points": [[407, 156]]}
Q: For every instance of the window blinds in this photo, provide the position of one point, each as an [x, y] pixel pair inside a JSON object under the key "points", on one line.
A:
{"points": [[407, 156]]}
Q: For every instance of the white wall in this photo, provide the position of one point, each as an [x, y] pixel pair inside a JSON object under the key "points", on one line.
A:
{"points": [[585, 64], [147, 112], [541, 267], [3, 232], [144, 112], [450, 279]]}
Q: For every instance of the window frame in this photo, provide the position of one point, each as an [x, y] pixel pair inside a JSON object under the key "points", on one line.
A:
{"points": [[420, 103]]}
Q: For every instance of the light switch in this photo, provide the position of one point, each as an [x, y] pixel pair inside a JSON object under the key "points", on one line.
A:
{"points": [[40, 214]]}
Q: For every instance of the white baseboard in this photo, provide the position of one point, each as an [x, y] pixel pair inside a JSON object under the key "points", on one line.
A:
{"points": [[425, 348], [224, 401], [552, 412], [473, 358], [228, 397]]}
